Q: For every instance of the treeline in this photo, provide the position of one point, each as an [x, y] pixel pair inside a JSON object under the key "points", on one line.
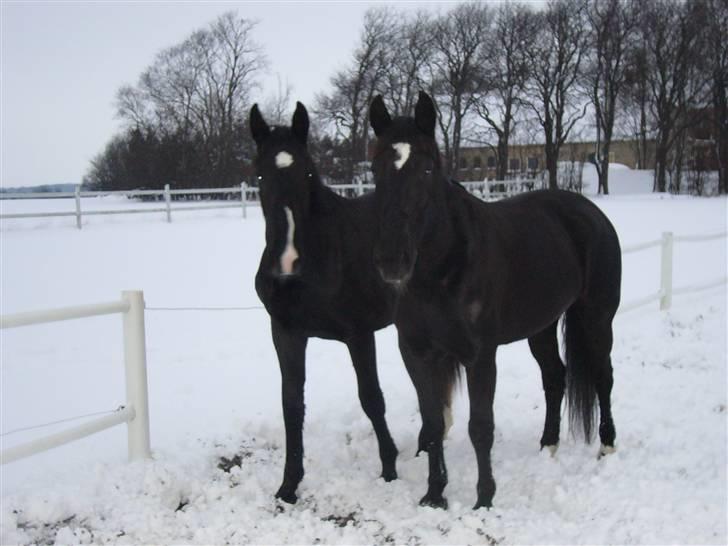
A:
{"points": [[505, 74]]}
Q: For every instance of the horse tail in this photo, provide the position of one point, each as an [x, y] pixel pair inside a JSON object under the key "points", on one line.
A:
{"points": [[580, 377], [451, 377]]}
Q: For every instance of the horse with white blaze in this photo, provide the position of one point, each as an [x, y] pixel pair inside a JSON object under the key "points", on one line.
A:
{"points": [[316, 279], [471, 276]]}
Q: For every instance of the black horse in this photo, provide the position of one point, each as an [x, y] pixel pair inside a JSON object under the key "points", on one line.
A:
{"points": [[472, 276], [316, 279]]}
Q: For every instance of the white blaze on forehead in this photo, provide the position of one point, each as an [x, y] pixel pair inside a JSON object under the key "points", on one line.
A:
{"points": [[290, 254], [403, 151], [283, 160]]}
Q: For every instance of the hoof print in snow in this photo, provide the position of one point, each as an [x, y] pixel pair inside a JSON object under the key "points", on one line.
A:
{"points": [[492, 541], [226, 464], [342, 521]]}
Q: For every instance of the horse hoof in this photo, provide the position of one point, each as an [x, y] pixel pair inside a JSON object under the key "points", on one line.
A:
{"points": [[434, 502], [483, 504], [287, 496], [389, 476], [606, 450], [551, 449]]}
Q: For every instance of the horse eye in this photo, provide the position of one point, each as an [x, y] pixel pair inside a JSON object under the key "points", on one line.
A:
{"points": [[428, 171], [310, 175]]}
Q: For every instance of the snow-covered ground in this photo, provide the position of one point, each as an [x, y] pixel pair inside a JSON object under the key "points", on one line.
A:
{"points": [[214, 393]]}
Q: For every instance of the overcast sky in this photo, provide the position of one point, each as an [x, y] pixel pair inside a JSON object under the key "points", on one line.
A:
{"points": [[62, 63]]}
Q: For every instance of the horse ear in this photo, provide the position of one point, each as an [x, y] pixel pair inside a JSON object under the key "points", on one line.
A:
{"points": [[258, 127], [425, 114], [378, 116], [299, 125]]}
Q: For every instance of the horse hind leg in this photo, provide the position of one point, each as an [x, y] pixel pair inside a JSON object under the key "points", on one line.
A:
{"points": [[545, 349]]}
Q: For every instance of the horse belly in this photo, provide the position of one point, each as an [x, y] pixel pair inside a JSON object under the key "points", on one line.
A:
{"points": [[531, 302]]}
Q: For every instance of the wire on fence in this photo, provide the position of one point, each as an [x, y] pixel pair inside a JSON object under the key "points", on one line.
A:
{"points": [[250, 308]]}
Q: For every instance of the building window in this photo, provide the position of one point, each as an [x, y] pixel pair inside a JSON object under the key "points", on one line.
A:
{"points": [[532, 163], [514, 164], [491, 162], [463, 163], [477, 162]]}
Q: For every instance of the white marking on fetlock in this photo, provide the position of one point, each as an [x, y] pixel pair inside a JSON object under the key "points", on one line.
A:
{"points": [[290, 254], [606, 450], [403, 153], [283, 160], [552, 449], [447, 415]]}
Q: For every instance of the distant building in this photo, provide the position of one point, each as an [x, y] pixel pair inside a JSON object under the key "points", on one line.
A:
{"points": [[527, 160]]}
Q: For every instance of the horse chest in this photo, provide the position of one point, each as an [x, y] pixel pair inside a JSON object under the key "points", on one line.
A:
{"points": [[436, 318]]}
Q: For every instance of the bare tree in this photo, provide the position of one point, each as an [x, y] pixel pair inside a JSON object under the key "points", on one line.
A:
{"points": [[410, 48], [278, 104], [504, 72], [672, 32], [458, 37], [612, 27], [355, 86], [634, 113], [717, 41], [199, 91], [555, 55]]}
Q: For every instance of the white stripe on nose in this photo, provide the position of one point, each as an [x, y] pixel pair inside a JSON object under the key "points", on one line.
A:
{"points": [[403, 153], [290, 254]]}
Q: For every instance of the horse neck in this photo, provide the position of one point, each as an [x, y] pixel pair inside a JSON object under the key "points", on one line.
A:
{"points": [[440, 234]]}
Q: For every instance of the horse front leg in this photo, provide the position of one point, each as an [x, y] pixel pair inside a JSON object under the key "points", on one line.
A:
{"points": [[481, 391], [363, 357], [426, 380], [291, 349]]}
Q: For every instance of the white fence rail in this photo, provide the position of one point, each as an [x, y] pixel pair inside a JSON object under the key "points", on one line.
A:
{"points": [[666, 290], [488, 190], [165, 197], [491, 190], [136, 411]]}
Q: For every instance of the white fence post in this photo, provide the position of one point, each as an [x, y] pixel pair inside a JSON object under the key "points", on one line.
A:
{"points": [[135, 361], [244, 198], [666, 271], [78, 206], [168, 203]]}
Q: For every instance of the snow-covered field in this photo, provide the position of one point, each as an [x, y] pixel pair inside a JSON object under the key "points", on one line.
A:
{"points": [[214, 393]]}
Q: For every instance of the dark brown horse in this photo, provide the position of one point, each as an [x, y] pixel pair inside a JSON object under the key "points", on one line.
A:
{"points": [[472, 276], [316, 279]]}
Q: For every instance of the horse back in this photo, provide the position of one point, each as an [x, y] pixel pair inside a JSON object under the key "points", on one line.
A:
{"points": [[533, 256]]}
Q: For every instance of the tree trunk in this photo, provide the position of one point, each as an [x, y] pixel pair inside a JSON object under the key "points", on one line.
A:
{"points": [[552, 161], [502, 158], [604, 172], [661, 167]]}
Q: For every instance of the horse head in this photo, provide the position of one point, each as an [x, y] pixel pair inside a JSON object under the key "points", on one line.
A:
{"points": [[407, 173], [287, 179]]}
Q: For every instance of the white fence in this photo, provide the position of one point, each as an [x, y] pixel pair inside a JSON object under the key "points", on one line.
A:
{"points": [[666, 290], [487, 190], [136, 411], [491, 190]]}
